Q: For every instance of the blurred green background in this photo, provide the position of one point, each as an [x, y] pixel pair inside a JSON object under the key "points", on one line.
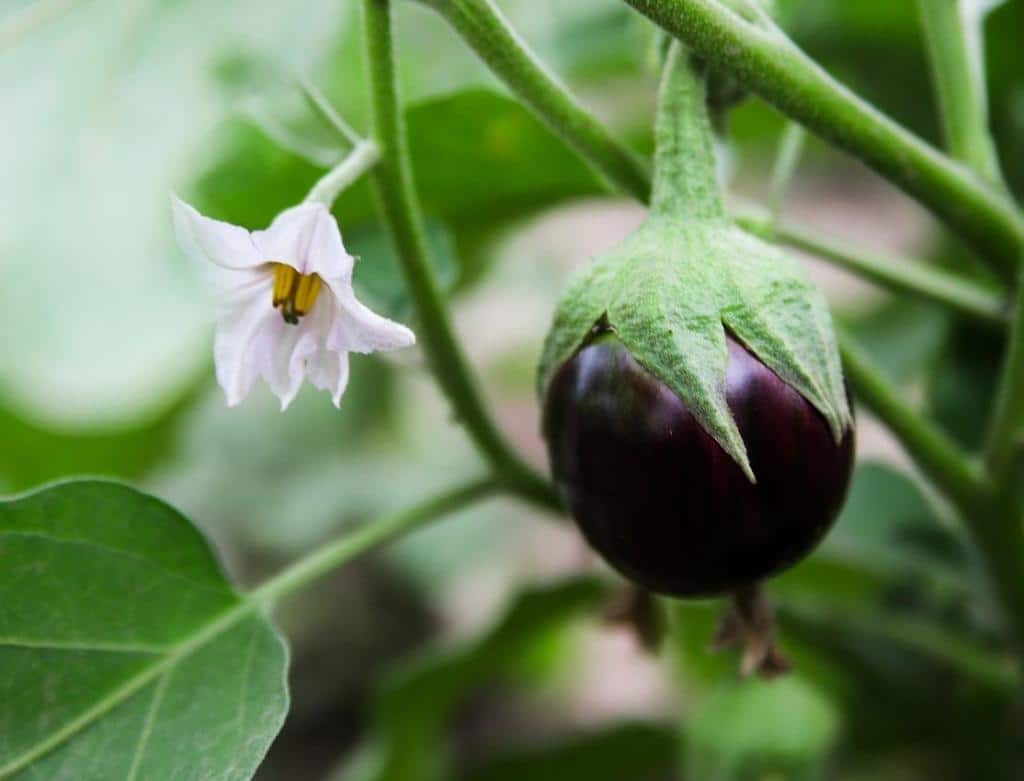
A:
{"points": [[476, 650]]}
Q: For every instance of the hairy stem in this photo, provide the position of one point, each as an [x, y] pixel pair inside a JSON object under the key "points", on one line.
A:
{"points": [[900, 275], [685, 183], [399, 207], [482, 26], [769, 64], [372, 535], [939, 458], [957, 73]]}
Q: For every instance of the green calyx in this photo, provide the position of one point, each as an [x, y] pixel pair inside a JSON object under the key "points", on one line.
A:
{"points": [[672, 288]]}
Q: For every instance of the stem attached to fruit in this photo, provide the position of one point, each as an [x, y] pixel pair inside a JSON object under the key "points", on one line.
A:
{"points": [[481, 24], [771, 65], [400, 209], [685, 183]]}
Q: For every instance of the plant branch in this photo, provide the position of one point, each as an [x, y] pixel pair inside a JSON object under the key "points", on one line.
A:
{"points": [[992, 516], [942, 462], [487, 32], [772, 66], [901, 275], [361, 159], [958, 77], [1007, 427], [370, 536], [399, 207]]}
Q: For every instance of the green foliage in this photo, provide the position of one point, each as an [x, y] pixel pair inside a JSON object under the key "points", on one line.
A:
{"points": [[754, 729], [126, 653], [415, 703]]}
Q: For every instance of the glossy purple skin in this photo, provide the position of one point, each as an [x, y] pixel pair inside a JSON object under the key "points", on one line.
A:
{"points": [[661, 501]]}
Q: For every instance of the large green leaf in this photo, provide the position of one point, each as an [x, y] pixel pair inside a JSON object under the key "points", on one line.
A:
{"points": [[126, 654]]}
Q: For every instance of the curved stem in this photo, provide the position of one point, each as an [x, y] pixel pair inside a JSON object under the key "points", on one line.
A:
{"points": [[901, 275], [772, 66], [482, 26], [942, 462], [991, 515], [399, 206], [360, 160], [958, 76], [370, 536]]}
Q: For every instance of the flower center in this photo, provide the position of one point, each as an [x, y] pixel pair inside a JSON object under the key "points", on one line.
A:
{"points": [[294, 293]]}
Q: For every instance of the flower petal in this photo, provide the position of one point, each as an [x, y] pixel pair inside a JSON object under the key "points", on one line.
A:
{"points": [[294, 346], [306, 237], [356, 328], [328, 370], [220, 243], [244, 342]]}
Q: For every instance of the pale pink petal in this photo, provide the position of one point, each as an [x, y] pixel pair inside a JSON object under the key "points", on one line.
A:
{"points": [[358, 329], [243, 342], [212, 241], [306, 237], [328, 370]]}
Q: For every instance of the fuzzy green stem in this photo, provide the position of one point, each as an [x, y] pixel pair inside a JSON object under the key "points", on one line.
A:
{"points": [[992, 516], [958, 77], [370, 536], [900, 275], [772, 66], [482, 26], [942, 462], [685, 182], [399, 206]]}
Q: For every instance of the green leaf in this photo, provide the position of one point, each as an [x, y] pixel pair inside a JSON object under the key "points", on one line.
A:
{"points": [[756, 729], [415, 703], [126, 654]]}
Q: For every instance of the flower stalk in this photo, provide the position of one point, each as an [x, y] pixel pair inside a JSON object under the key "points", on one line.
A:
{"points": [[363, 157], [393, 182]]}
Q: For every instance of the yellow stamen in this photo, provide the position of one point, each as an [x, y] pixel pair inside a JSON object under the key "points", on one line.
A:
{"points": [[305, 293], [284, 281], [294, 293]]}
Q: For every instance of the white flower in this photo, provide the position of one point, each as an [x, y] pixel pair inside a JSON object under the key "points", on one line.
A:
{"points": [[287, 308]]}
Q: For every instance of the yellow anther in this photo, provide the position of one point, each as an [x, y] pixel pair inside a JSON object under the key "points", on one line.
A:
{"points": [[294, 293], [284, 281], [305, 293]]}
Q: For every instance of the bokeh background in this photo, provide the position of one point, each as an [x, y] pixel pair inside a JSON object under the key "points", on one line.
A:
{"points": [[477, 650]]}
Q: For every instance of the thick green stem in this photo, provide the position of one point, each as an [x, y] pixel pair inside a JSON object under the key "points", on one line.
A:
{"points": [[772, 66], [942, 462], [900, 275], [1006, 438], [957, 73], [372, 535], [487, 32], [399, 207], [685, 182], [991, 516]]}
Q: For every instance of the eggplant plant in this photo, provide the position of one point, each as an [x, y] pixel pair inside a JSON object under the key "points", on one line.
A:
{"points": [[697, 402]]}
